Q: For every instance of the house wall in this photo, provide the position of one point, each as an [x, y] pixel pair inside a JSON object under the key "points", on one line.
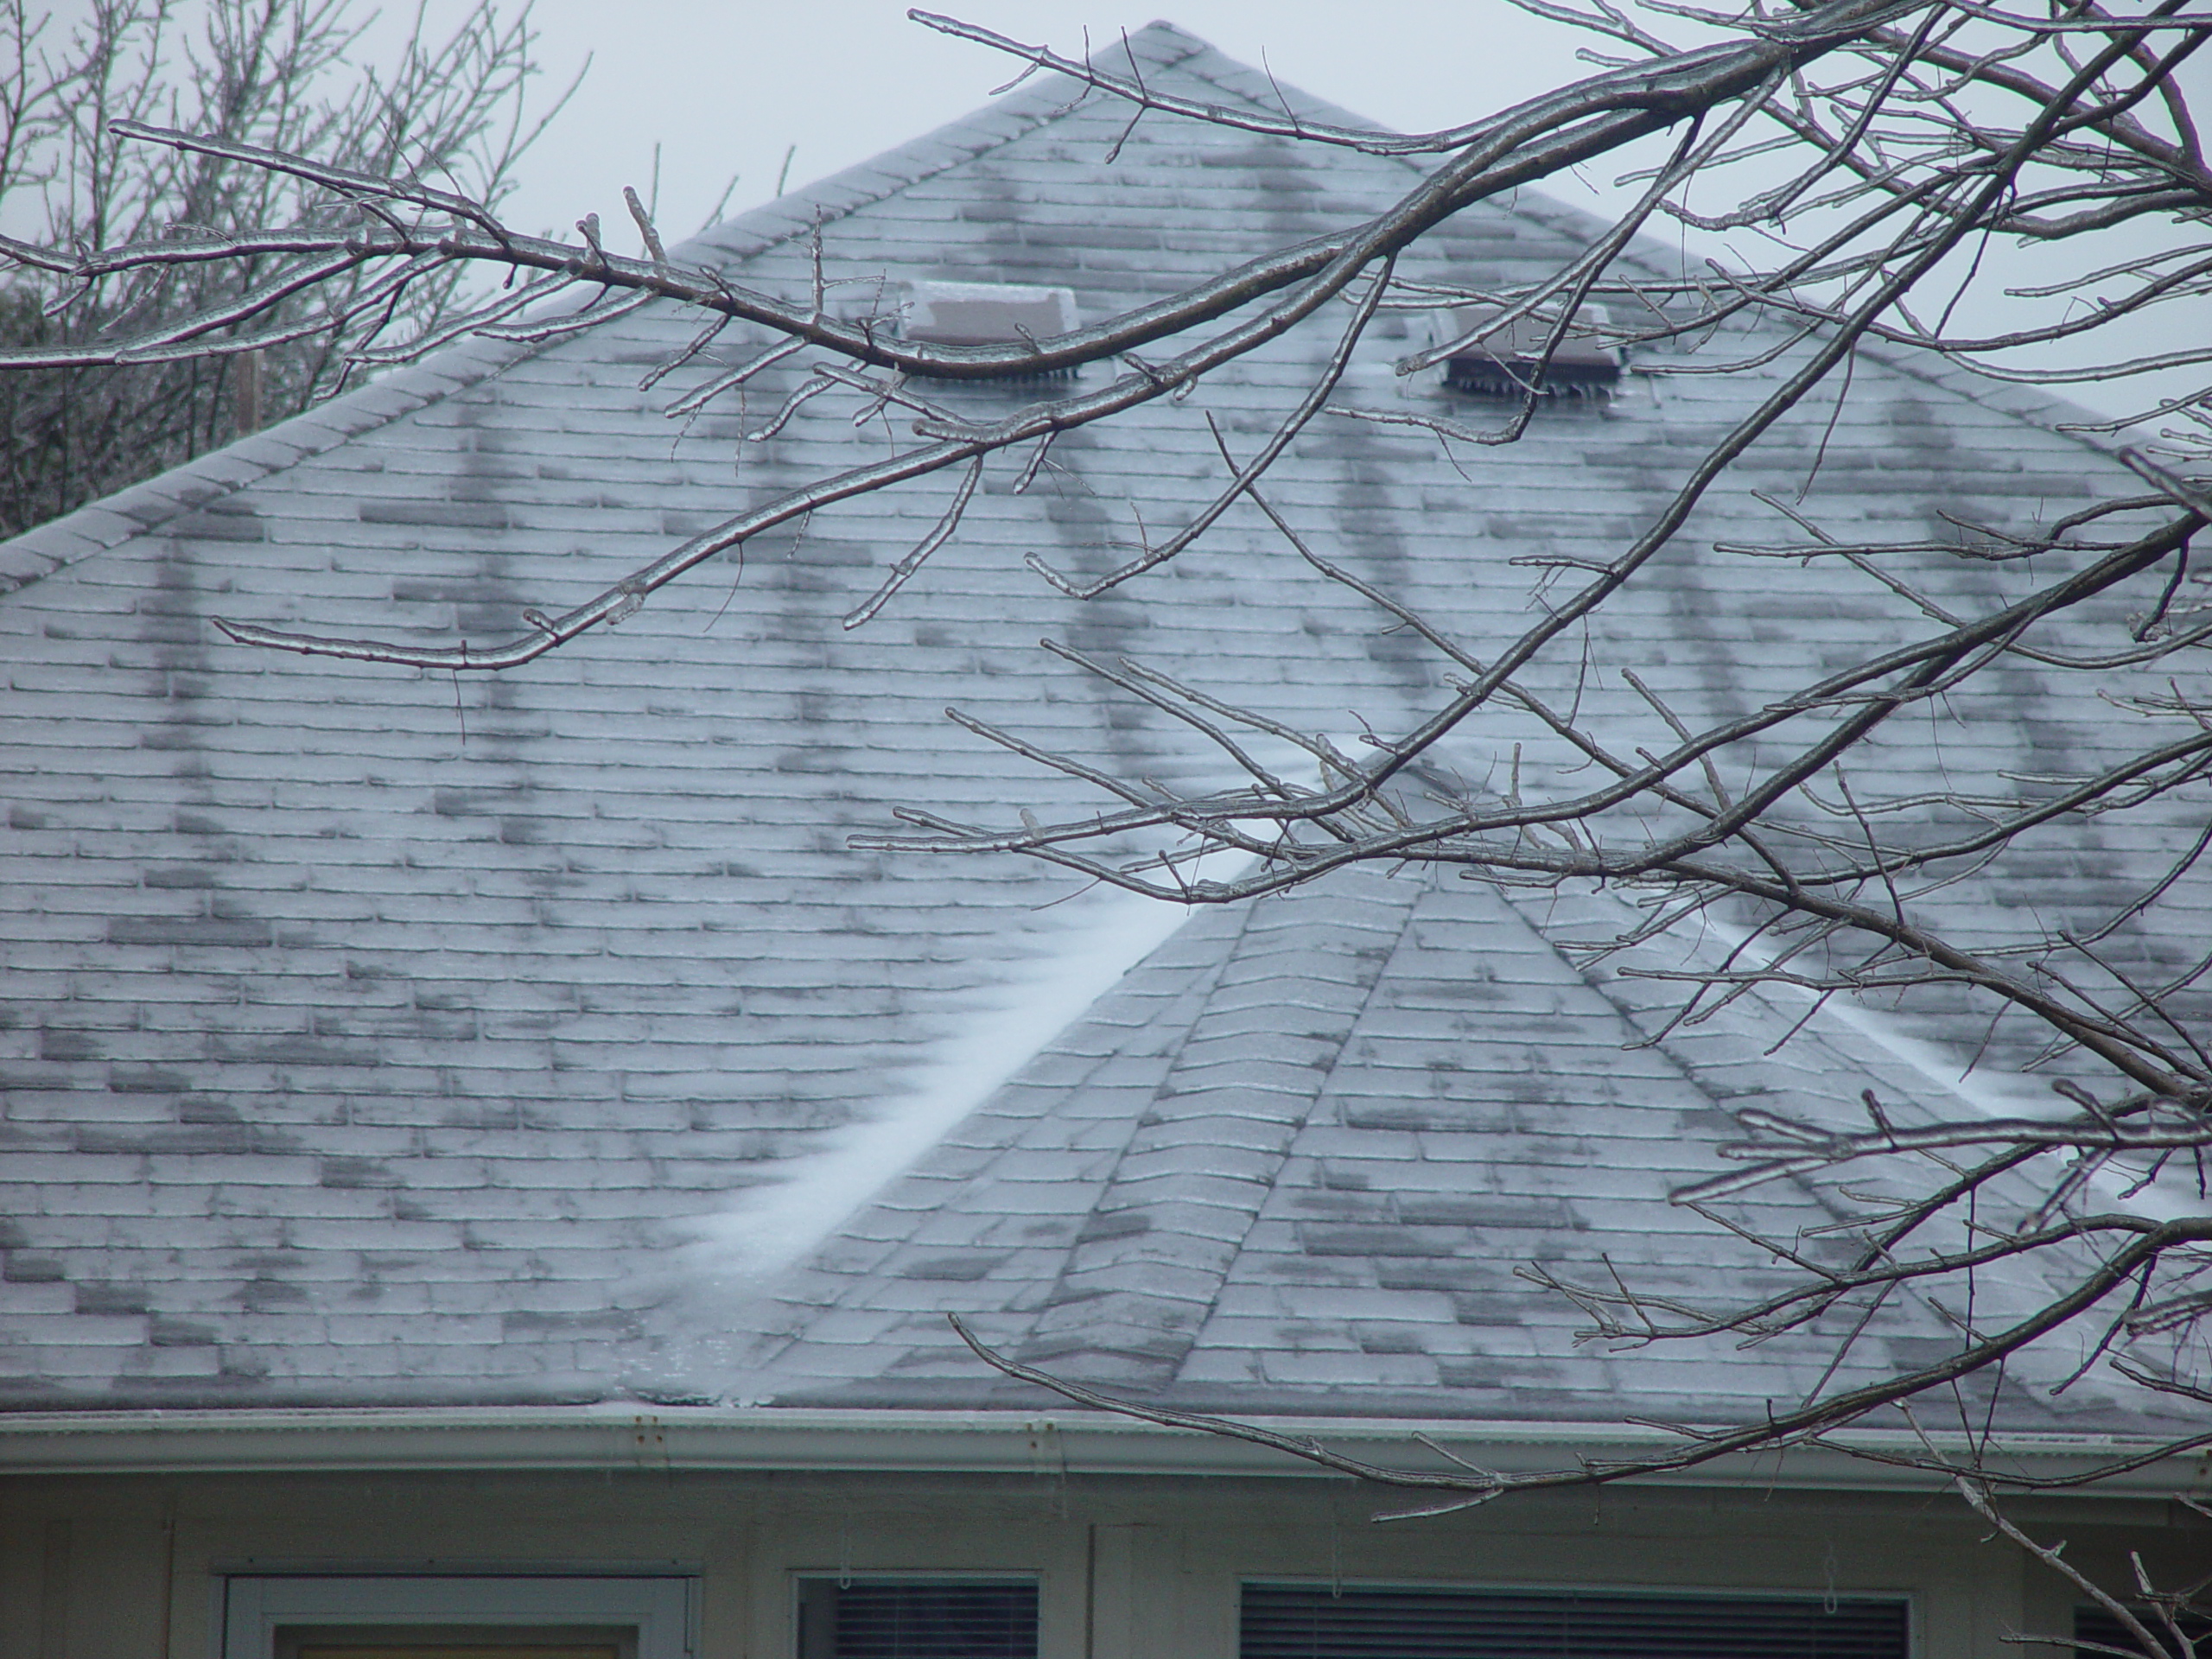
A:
{"points": [[127, 1567]]}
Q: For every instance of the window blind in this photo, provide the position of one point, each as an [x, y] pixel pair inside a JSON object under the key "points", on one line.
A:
{"points": [[917, 1618], [1308, 1622], [2093, 1623]]}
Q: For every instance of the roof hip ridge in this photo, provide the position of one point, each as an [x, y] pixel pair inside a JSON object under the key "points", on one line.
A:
{"points": [[1172, 1347], [191, 486], [882, 175]]}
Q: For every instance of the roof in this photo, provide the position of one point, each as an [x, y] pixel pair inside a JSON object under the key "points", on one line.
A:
{"points": [[377, 1040], [1301, 1161]]}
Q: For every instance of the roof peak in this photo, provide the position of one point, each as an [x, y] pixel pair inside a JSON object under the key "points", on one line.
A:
{"points": [[1028, 102]]}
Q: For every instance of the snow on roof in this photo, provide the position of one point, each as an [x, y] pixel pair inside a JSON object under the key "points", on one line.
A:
{"points": [[1104, 938], [372, 1039]]}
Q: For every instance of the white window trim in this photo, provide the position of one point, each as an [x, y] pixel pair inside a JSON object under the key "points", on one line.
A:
{"points": [[253, 1607]]}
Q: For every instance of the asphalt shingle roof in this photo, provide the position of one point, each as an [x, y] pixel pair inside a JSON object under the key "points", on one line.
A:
{"points": [[370, 1037], [1298, 1161]]}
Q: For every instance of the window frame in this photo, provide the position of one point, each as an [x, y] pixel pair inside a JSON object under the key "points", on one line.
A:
{"points": [[660, 1609]]}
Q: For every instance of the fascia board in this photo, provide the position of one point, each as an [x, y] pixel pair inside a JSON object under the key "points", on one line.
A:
{"points": [[926, 1442]]}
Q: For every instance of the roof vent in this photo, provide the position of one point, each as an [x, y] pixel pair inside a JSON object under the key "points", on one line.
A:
{"points": [[1502, 363], [987, 313]]}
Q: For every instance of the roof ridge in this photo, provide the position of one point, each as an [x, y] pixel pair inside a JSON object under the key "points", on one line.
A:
{"points": [[1844, 1029], [192, 485], [1170, 1348], [2043, 410], [1259, 88], [2040, 410], [882, 175], [1210, 983]]}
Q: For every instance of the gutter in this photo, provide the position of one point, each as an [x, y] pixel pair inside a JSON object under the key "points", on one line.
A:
{"points": [[937, 1442]]}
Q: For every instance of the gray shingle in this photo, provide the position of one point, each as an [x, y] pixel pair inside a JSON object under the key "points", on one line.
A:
{"points": [[356, 1046]]}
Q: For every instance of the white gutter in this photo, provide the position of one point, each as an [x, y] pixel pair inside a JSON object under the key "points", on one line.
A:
{"points": [[919, 1442]]}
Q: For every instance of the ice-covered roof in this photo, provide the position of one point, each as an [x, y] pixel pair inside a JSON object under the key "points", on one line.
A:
{"points": [[1298, 1161], [370, 1037]]}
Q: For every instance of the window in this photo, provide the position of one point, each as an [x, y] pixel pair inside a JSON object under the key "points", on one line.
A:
{"points": [[917, 1618], [2093, 1624], [361, 1616], [1308, 1622]]}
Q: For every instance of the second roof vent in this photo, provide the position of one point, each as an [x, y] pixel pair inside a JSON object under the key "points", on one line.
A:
{"points": [[1502, 362]]}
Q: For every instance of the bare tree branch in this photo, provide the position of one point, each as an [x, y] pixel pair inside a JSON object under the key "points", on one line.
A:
{"points": [[1874, 164]]}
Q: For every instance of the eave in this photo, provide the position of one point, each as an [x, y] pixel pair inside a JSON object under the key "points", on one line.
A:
{"points": [[954, 1442]]}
